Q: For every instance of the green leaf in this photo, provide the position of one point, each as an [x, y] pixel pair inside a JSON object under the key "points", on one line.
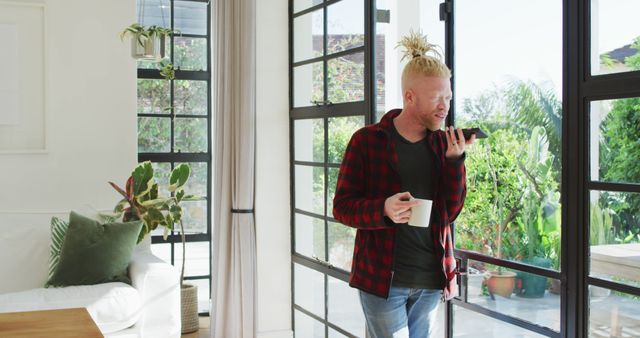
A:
{"points": [[179, 195], [119, 208], [154, 203], [192, 198], [179, 176], [165, 234], [142, 178]]}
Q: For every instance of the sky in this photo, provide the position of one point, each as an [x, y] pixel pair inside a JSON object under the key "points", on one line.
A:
{"points": [[500, 40]]}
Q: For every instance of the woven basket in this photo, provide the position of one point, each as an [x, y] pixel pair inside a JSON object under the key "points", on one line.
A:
{"points": [[190, 321]]}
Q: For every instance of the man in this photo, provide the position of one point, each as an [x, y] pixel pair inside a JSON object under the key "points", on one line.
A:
{"points": [[403, 271]]}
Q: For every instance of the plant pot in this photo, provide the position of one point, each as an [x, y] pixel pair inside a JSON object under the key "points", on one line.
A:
{"points": [[150, 49], [529, 285], [189, 305], [501, 283]]}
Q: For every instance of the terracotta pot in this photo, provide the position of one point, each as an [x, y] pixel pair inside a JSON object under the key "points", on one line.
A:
{"points": [[501, 283]]}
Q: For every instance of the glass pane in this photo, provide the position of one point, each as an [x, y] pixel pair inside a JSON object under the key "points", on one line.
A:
{"points": [[190, 53], [308, 82], [197, 262], [194, 217], [299, 5], [154, 135], [307, 327], [309, 289], [469, 324], [345, 25], [344, 307], [161, 173], [346, 78], [309, 189], [190, 97], [340, 131], [308, 36], [154, 13], [614, 41], [512, 210], [191, 135], [190, 17], [341, 241], [614, 229], [310, 236], [154, 97], [331, 189], [197, 183], [335, 334], [403, 16], [613, 314], [204, 290], [309, 140], [535, 298], [615, 140]]}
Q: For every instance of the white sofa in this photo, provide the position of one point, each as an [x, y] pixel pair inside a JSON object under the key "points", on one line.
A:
{"points": [[149, 308]]}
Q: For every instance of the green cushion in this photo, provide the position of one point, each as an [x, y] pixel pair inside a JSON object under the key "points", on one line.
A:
{"points": [[95, 253], [58, 232]]}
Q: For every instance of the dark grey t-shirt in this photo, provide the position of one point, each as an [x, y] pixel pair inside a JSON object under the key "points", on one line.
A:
{"points": [[416, 264]]}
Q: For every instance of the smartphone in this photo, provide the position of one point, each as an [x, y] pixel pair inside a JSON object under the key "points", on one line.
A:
{"points": [[467, 132]]}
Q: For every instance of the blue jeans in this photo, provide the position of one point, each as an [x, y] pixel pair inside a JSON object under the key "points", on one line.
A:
{"points": [[407, 313]]}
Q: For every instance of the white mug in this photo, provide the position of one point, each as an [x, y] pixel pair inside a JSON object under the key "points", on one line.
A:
{"points": [[421, 213]]}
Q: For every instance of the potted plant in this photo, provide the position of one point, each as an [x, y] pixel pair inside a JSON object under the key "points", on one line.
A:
{"points": [[149, 43], [141, 201], [499, 281], [146, 42]]}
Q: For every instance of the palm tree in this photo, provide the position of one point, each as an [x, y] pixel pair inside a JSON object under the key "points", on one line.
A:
{"points": [[532, 106]]}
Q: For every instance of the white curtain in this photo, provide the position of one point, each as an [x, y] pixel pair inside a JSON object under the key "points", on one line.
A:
{"points": [[233, 291]]}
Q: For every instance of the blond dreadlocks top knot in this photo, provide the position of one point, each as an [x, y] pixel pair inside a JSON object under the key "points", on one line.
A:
{"points": [[424, 57]]}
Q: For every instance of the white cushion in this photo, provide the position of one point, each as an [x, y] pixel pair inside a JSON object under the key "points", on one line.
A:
{"points": [[113, 306], [24, 248]]}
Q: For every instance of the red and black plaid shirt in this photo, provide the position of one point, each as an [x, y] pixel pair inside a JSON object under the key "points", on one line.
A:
{"points": [[368, 176]]}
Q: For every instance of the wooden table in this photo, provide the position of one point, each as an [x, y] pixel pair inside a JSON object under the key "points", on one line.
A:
{"points": [[64, 323], [622, 260]]}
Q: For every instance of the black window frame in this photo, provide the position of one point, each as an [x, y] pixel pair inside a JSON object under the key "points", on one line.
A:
{"points": [[579, 88], [324, 110], [172, 157]]}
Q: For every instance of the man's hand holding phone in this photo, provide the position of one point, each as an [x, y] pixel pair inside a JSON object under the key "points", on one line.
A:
{"points": [[456, 147]]}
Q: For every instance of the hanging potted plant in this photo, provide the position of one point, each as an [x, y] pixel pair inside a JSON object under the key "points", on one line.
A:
{"points": [[141, 201], [146, 42]]}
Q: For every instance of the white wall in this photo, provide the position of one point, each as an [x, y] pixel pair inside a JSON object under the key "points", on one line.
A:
{"points": [[91, 133], [272, 170], [91, 113]]}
